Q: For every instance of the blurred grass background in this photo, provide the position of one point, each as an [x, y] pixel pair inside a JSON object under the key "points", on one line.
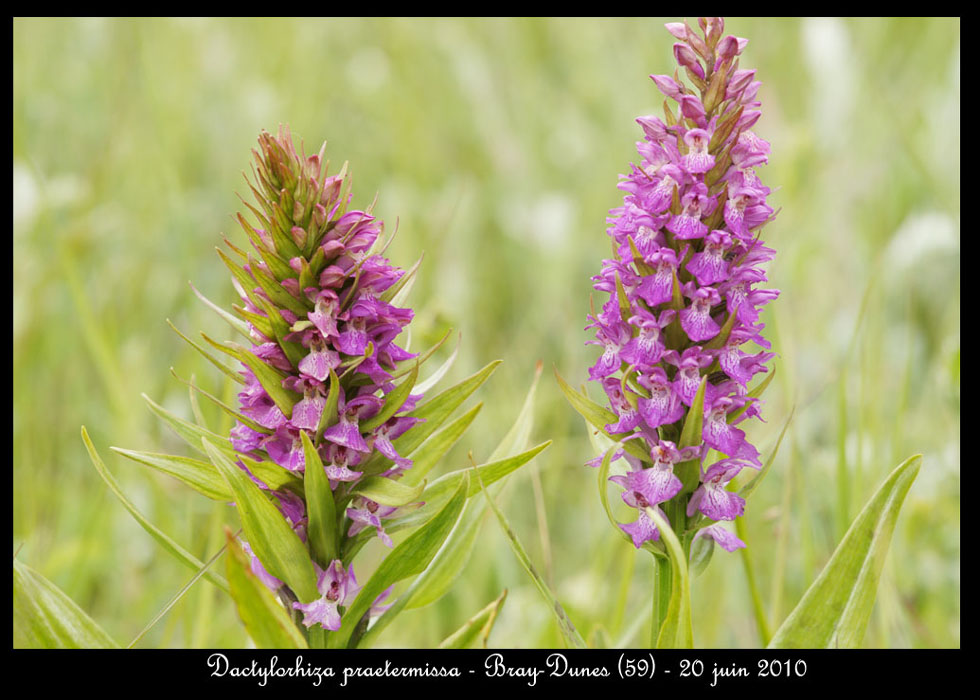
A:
{"points": [[495, 145]]}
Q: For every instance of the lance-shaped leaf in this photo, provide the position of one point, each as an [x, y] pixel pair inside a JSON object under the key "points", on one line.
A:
{"points": [[393, 402], [236, 323], [599, 417], [398, 292], [199, 475], [433, 379], [294, 351], [409, 558], [266, 621], [261, 323], [430, 452], [387, 492], [565, 627], [271, 474], [489, 473], [834, 611], [46, 618], [175, 549], [434, 412], [272, 539], [676, 632], [329, 415], [480, 625], [687, 471], [276, 292], [195, 389], [190, 433], [436, 580], [754, 393], [752, 485], [320, 506], [227, 371], [434, 496], [269, 378]]}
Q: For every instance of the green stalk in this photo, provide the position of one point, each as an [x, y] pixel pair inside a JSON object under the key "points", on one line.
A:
{"points": [[661, 596]]}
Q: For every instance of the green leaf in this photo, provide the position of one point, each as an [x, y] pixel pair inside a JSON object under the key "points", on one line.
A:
{"points": [[272, 475], [329, 415], [480, 625], [320, 506], [200, 476], [598, 417], [565, 627], [689, 472], [269, 378], [395, 295], [195, 389], [46, 618], [519, 435], [276, 292], [754, 393], [436, 580], [438, 491], [409, 558], [175, 549], [834, 611], [677, 631], [190, 433], [387, 492], [430, 452], [239, 325], [432, 379], [489, 473], [393, 402], [272, 539], [227, 371], [266, 621], [294, 351], [445, 568], [434, 412], [751, 486]]}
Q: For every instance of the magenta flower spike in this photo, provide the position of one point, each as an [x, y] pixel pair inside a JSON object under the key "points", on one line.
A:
{"points": [[686, 287], [317, 302]]}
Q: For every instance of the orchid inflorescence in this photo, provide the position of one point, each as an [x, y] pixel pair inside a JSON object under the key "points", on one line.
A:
{"points": [[322, 323], [684, 297]]}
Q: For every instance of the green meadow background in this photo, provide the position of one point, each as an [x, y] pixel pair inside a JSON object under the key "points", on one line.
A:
{"points": [[494, 146]]}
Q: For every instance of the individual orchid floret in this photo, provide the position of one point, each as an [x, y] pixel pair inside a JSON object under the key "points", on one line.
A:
{"points": [[366, 513], [625, 408], [664, 405], [646, 349], [696, 319], [712, 499], [643, 488], [337, 588], [726, 539]]}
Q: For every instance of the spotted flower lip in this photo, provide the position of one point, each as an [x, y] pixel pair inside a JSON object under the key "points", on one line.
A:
{"points": [[687, 290]]}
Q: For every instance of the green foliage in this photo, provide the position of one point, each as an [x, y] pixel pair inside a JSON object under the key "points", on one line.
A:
{"points": [[45, 618], [835, 610], [267, 622]]}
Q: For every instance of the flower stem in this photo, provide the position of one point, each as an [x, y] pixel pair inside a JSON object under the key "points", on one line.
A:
{"points": [[661, 596]]}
